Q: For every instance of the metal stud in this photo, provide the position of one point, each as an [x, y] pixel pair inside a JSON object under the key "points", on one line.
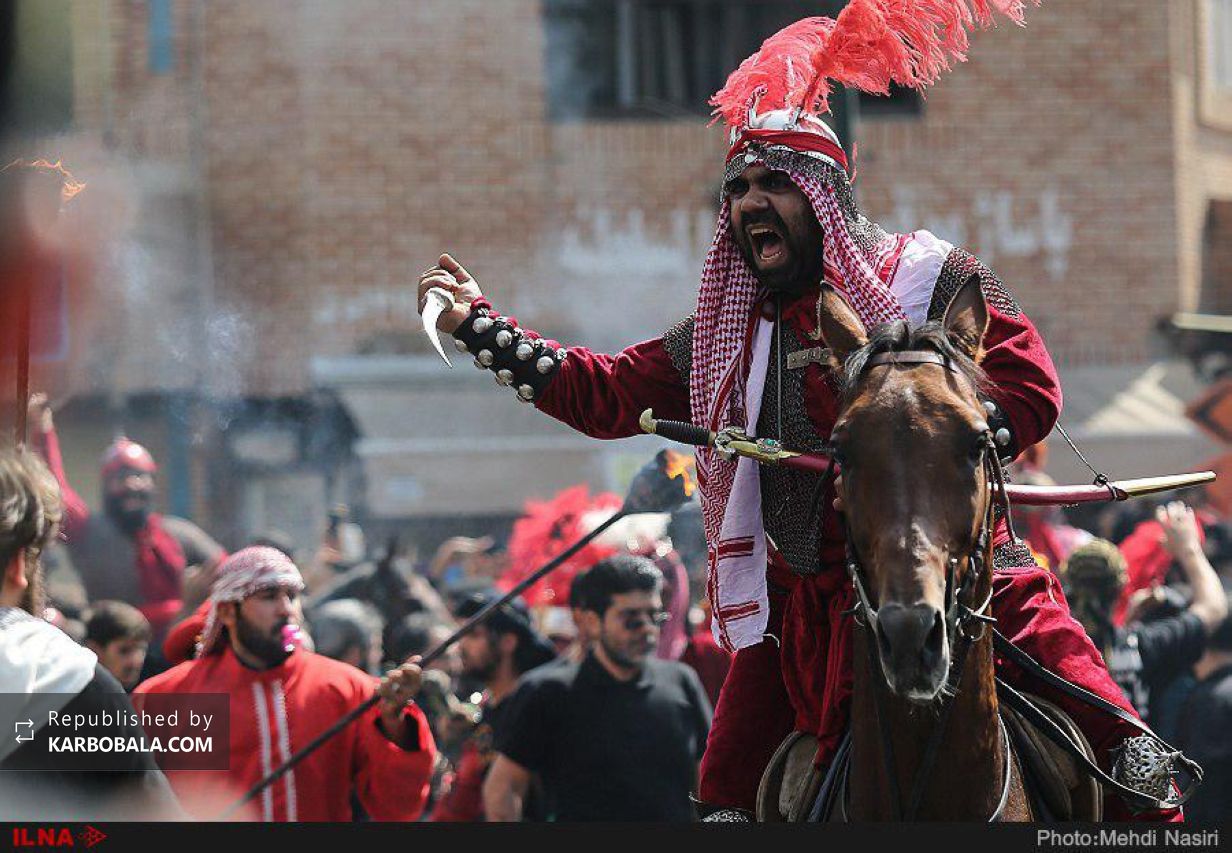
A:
{"points": [[459, 345], [504, 338], [526, 393], [481, 324], [1002, 437], [545, 364], [485, 357], [524, 352], [991, 408], [504, 377]]}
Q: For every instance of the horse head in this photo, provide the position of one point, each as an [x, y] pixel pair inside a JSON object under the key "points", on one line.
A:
{"points": [[916, 457]]}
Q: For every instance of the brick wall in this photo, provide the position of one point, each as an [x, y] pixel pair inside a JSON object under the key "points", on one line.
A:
{"points": [[1039, 155], [348, 145]]}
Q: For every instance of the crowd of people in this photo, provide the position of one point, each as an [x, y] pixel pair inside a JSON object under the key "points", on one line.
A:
{"points": [[574, 710], [574, 706]]}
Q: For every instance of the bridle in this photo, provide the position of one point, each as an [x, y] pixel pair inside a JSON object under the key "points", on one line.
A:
{"points": [[964, 623]]}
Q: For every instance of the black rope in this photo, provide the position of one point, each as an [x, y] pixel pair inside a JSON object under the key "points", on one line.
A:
{"points": [[1101, 479]]}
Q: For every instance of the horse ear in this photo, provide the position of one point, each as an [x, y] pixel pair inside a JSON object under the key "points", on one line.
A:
{"points": [[838, 326], [966, 318]]}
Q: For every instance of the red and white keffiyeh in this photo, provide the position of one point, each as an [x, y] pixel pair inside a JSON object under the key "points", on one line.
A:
{"points": [[242, 574], [731, 345]]}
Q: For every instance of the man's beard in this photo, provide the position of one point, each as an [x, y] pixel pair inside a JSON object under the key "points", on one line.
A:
{"points": [[1095, 616], [621, 658], [804, 271], [482, 672], [129, 520], [269, 649]]}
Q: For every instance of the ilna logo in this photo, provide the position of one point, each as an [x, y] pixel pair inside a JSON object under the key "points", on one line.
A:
{"points": [[56, 836]]}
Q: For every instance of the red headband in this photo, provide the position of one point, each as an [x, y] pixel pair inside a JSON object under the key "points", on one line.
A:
{"points": [[794, 139], [127, 454]]}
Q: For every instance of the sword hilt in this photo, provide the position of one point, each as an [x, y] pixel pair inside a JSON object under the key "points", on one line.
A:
{"points": [[685, 433]]}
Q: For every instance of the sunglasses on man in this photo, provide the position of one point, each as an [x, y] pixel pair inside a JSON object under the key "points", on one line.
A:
{"points": [[633, 619]]}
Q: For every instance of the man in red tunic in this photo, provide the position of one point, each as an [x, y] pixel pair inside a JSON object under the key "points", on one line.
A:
{"points": [[280, 700], [749, 357]]}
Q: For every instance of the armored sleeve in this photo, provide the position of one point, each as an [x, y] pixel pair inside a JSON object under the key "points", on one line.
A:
{"points": [[603, 395], [1024, 382]]}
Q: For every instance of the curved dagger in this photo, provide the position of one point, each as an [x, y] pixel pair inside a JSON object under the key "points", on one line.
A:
{"points": [[436, 303]]}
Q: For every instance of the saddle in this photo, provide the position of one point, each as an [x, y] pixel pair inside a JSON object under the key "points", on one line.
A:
{"points": [[1058, 789], [794, 790]]}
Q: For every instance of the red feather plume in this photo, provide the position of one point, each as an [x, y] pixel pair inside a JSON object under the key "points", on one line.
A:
{"points": [[872, 44], [545, 530]]}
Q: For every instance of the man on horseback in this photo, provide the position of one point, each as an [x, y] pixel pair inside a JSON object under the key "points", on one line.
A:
{"points": [[750, 357]]}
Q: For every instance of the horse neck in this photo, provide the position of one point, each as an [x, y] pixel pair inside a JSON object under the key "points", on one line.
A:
{"points": [[964, 782]]}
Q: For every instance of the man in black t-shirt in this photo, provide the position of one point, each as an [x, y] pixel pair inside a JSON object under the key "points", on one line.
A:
{"points": [[1143, 658], [1205, 727], [616, 736]]}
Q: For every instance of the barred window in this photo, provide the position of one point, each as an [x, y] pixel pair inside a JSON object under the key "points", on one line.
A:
{"points": [[664, 58]]}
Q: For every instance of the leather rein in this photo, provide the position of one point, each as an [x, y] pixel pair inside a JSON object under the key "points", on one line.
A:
{"points": [[964, 624]]}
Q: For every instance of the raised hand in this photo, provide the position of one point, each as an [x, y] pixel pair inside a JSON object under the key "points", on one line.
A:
{"points": [[450, 276], [38, 415], [1180, 528]]}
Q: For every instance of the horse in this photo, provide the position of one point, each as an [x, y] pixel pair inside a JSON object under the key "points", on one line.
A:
{"points": [[919, 475]]}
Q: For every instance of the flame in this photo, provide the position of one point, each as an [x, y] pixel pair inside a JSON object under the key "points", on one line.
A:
{"points": [[679, 465], [69, 186]]}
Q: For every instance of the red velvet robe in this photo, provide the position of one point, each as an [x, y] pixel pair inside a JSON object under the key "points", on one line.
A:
{"points": [[807, 685]]}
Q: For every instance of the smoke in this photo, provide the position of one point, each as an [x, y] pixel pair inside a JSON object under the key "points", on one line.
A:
{"points": [[229, 340], [159, 337]]}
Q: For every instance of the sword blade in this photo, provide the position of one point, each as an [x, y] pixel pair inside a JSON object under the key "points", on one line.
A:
{"points": [[437, 303]]}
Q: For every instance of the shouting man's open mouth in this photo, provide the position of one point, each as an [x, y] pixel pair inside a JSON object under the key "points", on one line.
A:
{"points": [[768, 244]]}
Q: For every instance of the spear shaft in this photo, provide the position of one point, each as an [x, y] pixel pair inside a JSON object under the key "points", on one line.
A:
{"points": [[470, 624]]}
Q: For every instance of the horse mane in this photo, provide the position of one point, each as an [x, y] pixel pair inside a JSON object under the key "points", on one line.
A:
{"points": [[901, 337]]}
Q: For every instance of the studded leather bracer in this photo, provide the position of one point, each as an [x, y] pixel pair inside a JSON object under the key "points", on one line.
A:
{"points": [[520, 358]]}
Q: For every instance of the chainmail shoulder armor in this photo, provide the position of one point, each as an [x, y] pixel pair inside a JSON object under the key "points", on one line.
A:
{"points": [[678, 341], [958, 267], [789, 496], [1012, 555]]}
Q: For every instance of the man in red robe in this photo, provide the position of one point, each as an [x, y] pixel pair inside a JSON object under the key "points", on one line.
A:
{"points": [[281, 697], [749, 357], [128, 552]]}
